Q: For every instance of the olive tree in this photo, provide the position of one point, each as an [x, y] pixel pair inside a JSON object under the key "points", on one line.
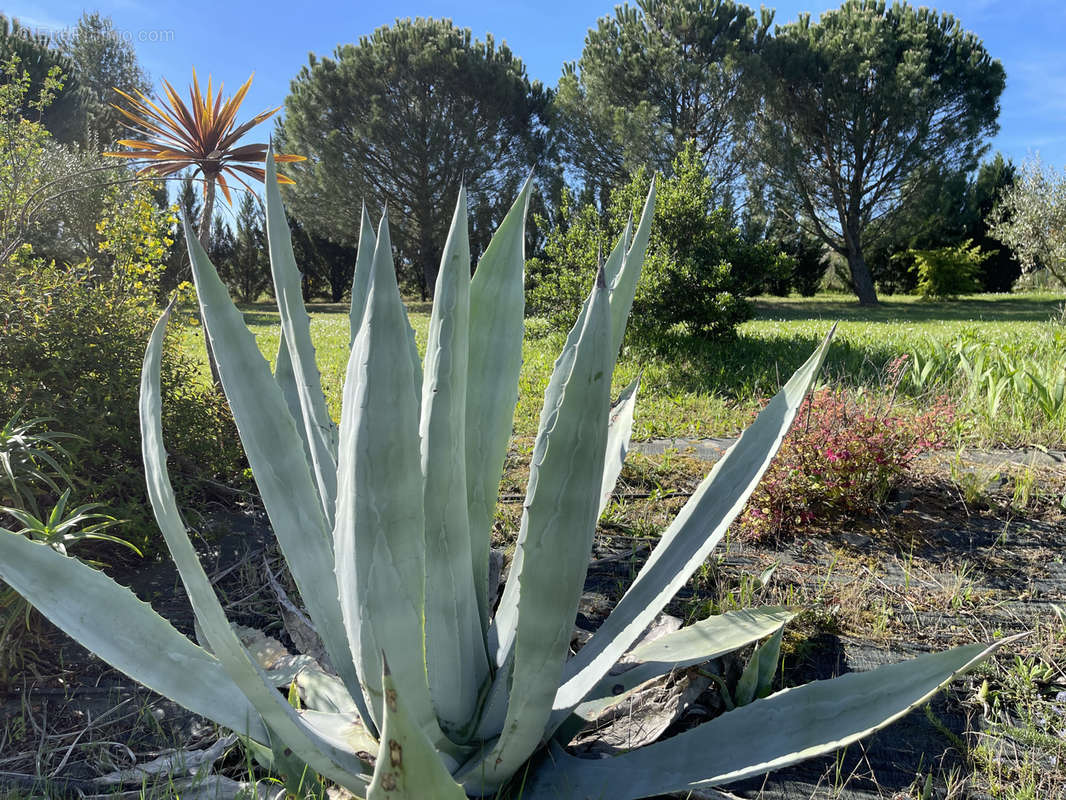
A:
{"points": [[1030, 218]]}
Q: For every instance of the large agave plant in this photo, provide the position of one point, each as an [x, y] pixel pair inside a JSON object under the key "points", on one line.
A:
{"points": [[385, 525]]}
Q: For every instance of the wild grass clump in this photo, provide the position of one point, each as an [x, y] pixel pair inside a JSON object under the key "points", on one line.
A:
{"points": [[1014, 389]]}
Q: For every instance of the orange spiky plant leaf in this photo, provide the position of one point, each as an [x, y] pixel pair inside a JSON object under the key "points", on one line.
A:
{"points": [[202, 135]]}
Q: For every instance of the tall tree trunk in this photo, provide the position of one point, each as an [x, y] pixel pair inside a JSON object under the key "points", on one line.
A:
{"points": [[427, 253], [338, 283], [861, 279], [205, 242]]}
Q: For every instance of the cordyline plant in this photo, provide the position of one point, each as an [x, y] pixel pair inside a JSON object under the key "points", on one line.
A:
{"points": [[204, 136], [385, 525]]}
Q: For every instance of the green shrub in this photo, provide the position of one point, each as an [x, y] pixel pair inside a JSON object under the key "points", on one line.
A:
{"points": [[71, 347], [699, 270], [557, 284], [947, 272]]}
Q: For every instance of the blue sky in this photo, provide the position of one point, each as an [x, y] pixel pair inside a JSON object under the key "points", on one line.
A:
{"points": [[231, 40]]}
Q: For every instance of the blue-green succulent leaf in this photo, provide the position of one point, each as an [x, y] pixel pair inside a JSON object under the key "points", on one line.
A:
{"points": [[623, 285], [456, 659], [619, 432], [555, 537], [787, 727], [693, 644], [280, 718], [364, 269], [497, 324], [408, 767], [379, 538], [689, 539], [320, 430], [277, 455], [109, 620], [758, 675]]}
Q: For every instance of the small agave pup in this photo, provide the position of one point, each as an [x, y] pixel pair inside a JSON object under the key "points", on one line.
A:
{"points": [[385, 525]]}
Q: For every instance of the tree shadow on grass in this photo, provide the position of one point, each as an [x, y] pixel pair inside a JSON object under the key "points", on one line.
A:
{"points": [[266, 311], [749, 365], [985, 308], [757, 365]]}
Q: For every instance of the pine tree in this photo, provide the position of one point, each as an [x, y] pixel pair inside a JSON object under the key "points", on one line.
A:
{"points": [[653, 78], [862, 106], [403, 118], [247, 272]]}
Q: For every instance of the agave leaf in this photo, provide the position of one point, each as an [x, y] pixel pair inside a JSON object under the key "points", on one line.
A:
{"points": [[690, 537], [624, 284], [505, 621], [558, 525], [364, 268], [279, 717], [769, 658], [408, 767], [691, 645], [379, 539], [320, 691], [789, 726], [619, 431], [362, 280], [497, 323], [84, 603], [758, 674], [276, 453], [613, 265], [286, 381], [320, 431], [343, 730], [455, 642], [494, 708]]}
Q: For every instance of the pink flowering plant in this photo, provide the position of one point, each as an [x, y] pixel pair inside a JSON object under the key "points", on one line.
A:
{"points": [[842, 456]]}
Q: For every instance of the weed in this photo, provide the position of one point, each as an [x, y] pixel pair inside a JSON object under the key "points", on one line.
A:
{"points": [[1026, 490]]}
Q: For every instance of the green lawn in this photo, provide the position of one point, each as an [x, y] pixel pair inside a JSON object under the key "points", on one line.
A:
{"points": [[698, 389]]}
